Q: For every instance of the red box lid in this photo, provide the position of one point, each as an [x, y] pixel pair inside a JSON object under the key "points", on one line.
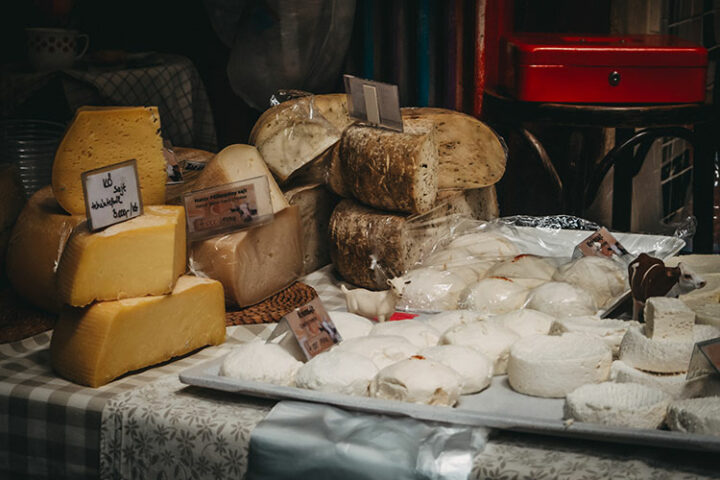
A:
{"points": [[595, 50]]}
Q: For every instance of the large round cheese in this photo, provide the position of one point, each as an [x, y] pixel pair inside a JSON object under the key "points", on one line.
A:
{"points": [[494, 296], [602, 277], [417, 380], [261, 362], [485, 244], [672, 384], [475, 369], [337, 371], [442, 322], [351, 325], [611, 331], [622, 404], [414, 331], [383, 350], [545, 366], [492, 340], [525, 322], [695, 415], [661, 356], [561, 299], [428, 289], [525, 266]]}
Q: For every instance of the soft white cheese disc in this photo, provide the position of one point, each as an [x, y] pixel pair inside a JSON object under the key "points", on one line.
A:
{"points": [[611, 331], [671, 383], [428, 289], [622, 404], [414, 331], [525, 266], [383, 350], [351, 325], [545, 366], [337, 371], [492, 340], [442, 322], [418, 380], [561, 299], [602, 277], [494, 296], [660, 356], [695, 415], [525, 322], [485, 244], [261, 362], [475, 369]]}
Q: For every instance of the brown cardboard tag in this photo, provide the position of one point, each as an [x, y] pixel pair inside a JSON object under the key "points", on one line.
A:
{"points": [[226, 208], [601, 244], [374, 103], [112, 194], [311, 329]]}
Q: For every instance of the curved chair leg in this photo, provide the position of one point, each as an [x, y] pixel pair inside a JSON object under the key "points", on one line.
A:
{"points": [[544, 160]]}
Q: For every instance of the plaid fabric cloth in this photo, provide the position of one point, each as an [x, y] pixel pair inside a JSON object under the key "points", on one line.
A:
{"points": [[169, 81]]}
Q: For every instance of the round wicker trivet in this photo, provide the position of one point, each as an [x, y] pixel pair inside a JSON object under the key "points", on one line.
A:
{"points": [[274, 308]]}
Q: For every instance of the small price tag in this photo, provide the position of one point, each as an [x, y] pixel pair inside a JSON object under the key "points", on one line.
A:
{"points": [[112, 194], [705, 360], [308, 330], [600, 244], [172, 167], [226, 208], [375, 103]]}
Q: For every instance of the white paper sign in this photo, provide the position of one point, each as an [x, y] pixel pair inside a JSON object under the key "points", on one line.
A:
{"points": [[112, 194]]}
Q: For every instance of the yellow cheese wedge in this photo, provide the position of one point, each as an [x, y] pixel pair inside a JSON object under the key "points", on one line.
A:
{"points": [[97, 344], [253, 264], [235, 163], [101, 136], [36, 243], [142, 256]]}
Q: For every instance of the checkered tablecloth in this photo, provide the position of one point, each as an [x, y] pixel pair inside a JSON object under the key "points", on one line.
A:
{"points": [[171, 82]]}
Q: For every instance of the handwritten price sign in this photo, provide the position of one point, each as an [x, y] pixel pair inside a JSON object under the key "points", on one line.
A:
{"points": [[112, 194]]}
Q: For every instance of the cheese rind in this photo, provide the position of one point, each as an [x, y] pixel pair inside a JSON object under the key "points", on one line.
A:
{"points": [[253, 264], [668, 319], [102, 136], [622, 404], [142, 256], [661, 356], [36, 243], [672, 384], [97, 344], [695, 415], [546, 366]]}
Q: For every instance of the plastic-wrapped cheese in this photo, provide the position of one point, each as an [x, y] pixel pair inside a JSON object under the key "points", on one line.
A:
{"points": [[102, 136], [428, 289], [485, 244], [525, 266], [261, 362], [621, 404], [35, 246], [546, 366], [474, 368], [97, 344], [383, 350], [494, 295], [602, 277], [525, 322], [417, 380], [414, 331], [351, 325], [338, 372], [492, 340], [561, 299], [142, 256], [444, 321]]}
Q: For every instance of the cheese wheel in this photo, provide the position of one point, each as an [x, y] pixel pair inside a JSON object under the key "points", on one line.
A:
{"points": [[417, 380], [414, 331], [94, 345], [337, 372], [609, 330], [525, 266], [605, 279], [661, 356], [261, 362], [492, 340], [621, 404], [34, 249], [485, 244], [383, 350], [474, 368], [428, 289], [546, 366], [494, 295], [561, 299], [142, 256], [695, 415], [102, 136]]}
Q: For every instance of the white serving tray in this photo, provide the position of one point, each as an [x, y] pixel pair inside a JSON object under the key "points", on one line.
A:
{"points": [[497, 407]]}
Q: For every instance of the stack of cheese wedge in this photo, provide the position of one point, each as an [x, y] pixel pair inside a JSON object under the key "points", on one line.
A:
{"points": [[124, 300], [398, 188]]}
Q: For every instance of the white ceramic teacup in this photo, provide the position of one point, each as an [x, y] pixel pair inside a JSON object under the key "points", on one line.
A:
{"points": [[54, 48]]}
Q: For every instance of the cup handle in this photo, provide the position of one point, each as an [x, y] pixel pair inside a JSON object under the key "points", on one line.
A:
{"points": [[87, 44]]}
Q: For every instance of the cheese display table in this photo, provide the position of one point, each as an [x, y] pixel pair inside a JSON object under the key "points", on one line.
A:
{"points": [[149, 425]]}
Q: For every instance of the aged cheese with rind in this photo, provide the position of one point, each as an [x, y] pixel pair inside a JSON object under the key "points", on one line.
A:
{"points": [[253, 264], [94, 345], [548, 366], [418, 380], [142, 256], [621, 404], [695, 415], [102, 136], [35, 246]]}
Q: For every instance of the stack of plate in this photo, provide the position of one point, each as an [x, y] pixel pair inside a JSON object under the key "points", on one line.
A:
{"points": [[30, 145]]}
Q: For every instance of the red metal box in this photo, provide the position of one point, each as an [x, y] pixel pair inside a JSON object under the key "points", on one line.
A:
{"points": [[603, 69]]}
